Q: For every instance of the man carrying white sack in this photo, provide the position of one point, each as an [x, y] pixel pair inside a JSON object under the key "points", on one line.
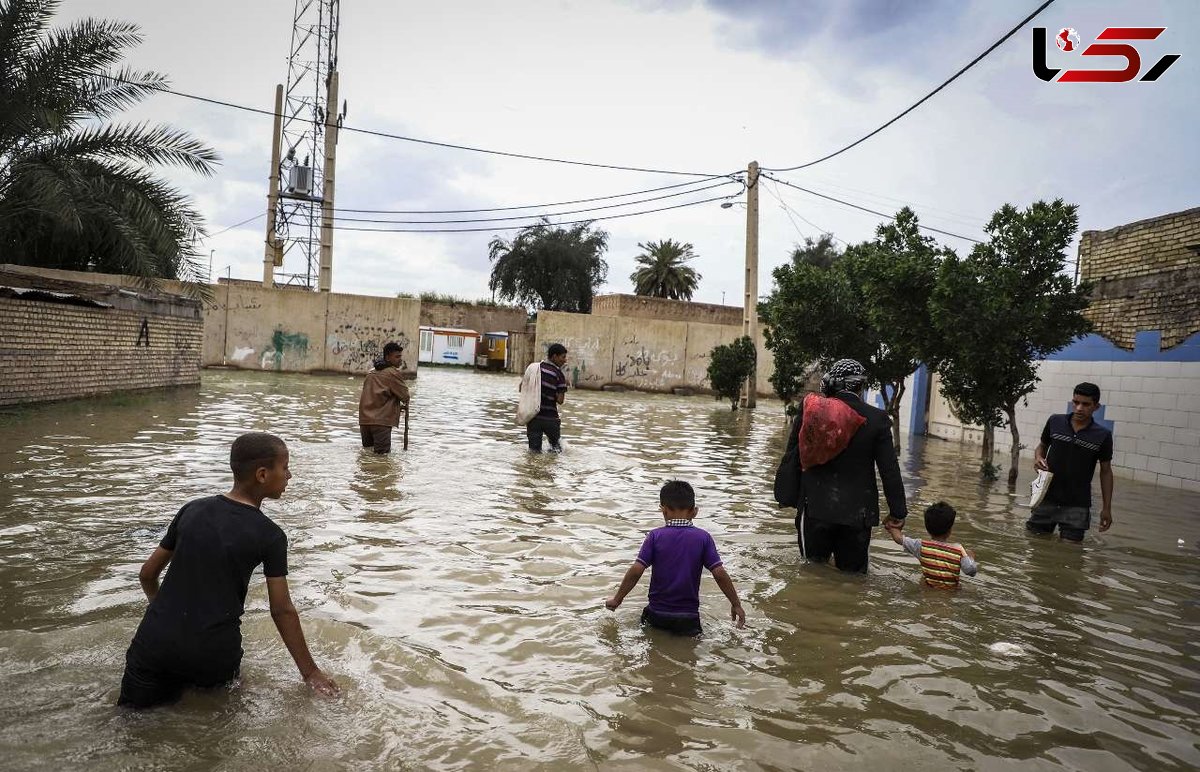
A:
{"points": [[543, 388]]}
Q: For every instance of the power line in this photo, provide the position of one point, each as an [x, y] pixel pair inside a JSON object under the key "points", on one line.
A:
{"points": [[944, 214], [521, 227], [403, 138], [535, 215], [789, 211], [235, 225], [731, 176], [865, 209], [925, 98]]}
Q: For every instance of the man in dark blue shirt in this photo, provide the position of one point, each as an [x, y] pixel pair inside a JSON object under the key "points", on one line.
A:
{"points": [[554, 391], [1071, 446]]}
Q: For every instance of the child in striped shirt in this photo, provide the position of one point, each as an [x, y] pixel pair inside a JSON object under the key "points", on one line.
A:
{"points": [[941, 560]]}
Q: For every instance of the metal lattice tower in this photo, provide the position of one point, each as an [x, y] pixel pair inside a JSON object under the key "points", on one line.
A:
{"points": [[312, 59]]}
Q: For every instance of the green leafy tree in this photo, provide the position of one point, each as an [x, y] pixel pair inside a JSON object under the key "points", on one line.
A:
{"points": [[663, 273], [893, 278], [78, 191], [822, 253], [805, 277], [550, 267], [729, 366], [869, 304], [1001, 309]]}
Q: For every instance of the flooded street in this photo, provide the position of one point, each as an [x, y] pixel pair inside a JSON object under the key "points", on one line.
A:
{"points": [[456, 592]]}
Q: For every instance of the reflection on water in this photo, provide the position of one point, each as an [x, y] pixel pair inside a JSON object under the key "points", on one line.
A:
{"points": [[457, 591]]}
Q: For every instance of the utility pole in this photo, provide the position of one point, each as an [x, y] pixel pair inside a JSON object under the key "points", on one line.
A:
{"points": [[750, 302], [332, 119], [273, 252]]}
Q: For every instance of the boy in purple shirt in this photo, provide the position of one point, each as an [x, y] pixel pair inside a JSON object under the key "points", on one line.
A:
{"points": [[677, 551]]}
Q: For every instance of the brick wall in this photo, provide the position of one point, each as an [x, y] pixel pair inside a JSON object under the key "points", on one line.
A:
{"points": [[51, 350], [640, 307], [1147, 277]]}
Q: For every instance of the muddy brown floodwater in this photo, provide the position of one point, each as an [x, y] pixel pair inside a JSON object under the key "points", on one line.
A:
{"points": [[456, 591]]}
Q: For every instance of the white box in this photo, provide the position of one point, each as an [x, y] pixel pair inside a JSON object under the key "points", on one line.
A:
{"points": [[1183, 386], [1160, 465], [1177, 419], [1149, 448], [1136, 461], [1161, 433], [1127, 368], [1188, 402], [1187, 437], [1167, 481], [1184, 470], [1165, 400]]}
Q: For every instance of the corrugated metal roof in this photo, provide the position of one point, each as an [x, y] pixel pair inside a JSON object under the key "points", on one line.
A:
{"points": [[50, 296]]}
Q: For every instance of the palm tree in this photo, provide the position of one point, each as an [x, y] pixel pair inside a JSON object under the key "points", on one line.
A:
{"points": [[662, 273], [77, 191]]}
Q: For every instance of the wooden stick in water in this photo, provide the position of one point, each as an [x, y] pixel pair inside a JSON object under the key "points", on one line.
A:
{"points": [[406, 427]]}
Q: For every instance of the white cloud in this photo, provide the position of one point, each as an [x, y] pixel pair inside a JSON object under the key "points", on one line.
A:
{"points": [[681, 86]]}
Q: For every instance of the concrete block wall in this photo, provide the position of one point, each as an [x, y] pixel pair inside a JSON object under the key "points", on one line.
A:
{"points": [[642, 354], [251, 327], [1150, 400], [642, 307], [51, 351]]}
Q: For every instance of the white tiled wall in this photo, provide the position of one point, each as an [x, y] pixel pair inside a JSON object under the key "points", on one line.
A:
{"points": [[1154, 409]]}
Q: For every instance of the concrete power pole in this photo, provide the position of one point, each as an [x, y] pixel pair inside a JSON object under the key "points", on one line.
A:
{"points": [[332, 119], [273, 252], [750, 301]]}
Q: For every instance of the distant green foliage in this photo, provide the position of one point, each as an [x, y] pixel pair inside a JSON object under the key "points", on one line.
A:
{"points": [[728, 368], [662, 271], [440, 297], [550, 267]]}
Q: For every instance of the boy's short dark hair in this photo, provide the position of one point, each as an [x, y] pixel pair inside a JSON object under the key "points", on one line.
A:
{"points": [[677, 495], [939, 518], [556, 349], [391, 347], [252, 451], [1088, 390]]}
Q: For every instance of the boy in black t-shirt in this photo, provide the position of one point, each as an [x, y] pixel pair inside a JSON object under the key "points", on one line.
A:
{"points": [[191, 632]]}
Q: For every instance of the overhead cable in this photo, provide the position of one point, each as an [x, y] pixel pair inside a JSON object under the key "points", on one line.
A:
{"points": [[521, 227], [732, 176], [417, 140], [866, 209], [235, 225], [535, 215], [923, 99]]}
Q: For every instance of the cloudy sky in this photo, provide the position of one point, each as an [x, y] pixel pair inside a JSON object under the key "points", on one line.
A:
{"points": [[703, 86]]}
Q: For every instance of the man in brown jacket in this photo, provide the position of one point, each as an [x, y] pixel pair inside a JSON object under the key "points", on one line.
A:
{"points": [[384, 395]]}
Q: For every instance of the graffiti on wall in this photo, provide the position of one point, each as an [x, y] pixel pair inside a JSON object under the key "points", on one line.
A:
{"points": [[582, 355], [636, 365], [285, 346], [636, 360], [357, 346]]}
